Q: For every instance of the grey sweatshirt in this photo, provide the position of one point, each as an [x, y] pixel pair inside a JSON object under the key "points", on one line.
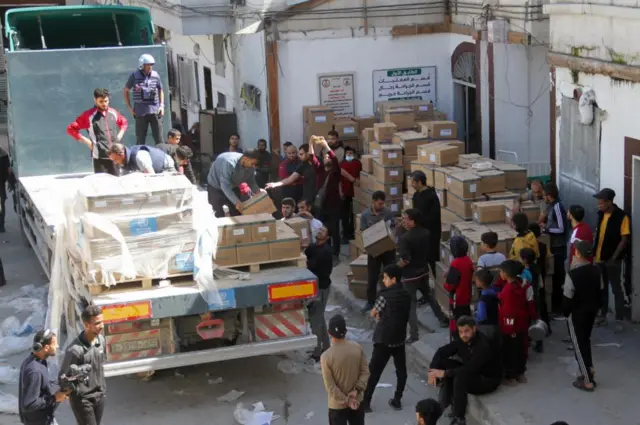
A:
{"points": [[227, 173]]}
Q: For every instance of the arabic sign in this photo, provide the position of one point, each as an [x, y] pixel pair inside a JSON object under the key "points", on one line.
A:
{"points": [[336, 92], [405, 83]]}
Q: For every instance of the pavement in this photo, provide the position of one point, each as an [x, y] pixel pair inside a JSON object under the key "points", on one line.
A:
{"points": [[548, 396]]}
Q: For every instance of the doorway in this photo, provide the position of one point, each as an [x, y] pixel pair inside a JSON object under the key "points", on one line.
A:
{"points": [[632, 289], [465, 73], [208, 88]]}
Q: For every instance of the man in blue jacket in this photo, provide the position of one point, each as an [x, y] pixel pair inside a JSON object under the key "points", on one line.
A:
{"points": [[39, 394], [144, 159]]}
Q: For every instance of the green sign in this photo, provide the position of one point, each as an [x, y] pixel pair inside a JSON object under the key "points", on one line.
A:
{"points": [[406, 72]]}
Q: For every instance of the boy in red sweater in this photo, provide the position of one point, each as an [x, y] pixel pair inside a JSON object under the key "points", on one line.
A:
{"points": [[513, 319], [458, 282], [581, 230]]}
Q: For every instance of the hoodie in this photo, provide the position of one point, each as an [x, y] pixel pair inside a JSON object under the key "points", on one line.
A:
{"points": [[487, 307], [524, 240], [513, 315]]}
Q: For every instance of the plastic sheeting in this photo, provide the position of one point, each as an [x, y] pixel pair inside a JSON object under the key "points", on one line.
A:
{"points": [[120, 228]]}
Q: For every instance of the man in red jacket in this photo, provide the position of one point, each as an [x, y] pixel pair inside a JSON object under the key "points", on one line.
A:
{"points": [[351, 168], [105, 126], [581, 230]]}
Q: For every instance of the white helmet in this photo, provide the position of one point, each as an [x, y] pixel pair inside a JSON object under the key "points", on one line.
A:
{"points": [[146, 59]]}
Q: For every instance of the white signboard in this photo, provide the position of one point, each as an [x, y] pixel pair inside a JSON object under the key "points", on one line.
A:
{"points": [[336, 92], [405, 83]]}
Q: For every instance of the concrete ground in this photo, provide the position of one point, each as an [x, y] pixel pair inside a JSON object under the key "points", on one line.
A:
{"points": [[548, 396], [191, 395]]}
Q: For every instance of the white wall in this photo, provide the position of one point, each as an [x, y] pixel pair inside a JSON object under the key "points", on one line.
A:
{"points": [[522, 103], [183, 46], [620, 101], [303, 57], [251, 69], [484, 96]]}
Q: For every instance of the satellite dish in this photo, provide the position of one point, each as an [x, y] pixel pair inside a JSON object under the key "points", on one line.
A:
{"points": [[196, 49]]}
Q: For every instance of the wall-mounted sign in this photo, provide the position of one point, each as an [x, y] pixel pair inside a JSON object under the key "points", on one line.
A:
{"points": [[405, 83], [337, 92]]}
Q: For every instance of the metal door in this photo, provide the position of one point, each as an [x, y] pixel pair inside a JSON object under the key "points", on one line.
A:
{"points": [[579, 171]]}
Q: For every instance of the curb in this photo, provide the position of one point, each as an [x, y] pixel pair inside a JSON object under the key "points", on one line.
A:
{"points": [[420, 353]]}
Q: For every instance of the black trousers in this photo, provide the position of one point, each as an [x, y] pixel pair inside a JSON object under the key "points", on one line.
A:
{"points": [[348, 230], [3, 202], [346, 416], [104, 166], [3, 280], [218, 199], [580, 327], [87, 411], [379, 359], [557, 280], [455, 390], [374, 268], [331, 220], [142, 126], [513, 355]]}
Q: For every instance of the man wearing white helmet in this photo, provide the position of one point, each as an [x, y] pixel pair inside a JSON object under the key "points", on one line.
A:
{"points": [[148, 100]]}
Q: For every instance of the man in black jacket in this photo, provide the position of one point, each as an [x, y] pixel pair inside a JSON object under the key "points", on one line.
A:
{"points": [[613, 235], [38, 394], [426, 200], [87, 399], [171, 147], [391, 310], [476, 368], [320, 263], [558, 228], [414, 257], [6, 177], [582, 297]]}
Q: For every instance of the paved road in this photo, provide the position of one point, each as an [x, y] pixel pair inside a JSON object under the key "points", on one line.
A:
{"points": [[191, 397]]}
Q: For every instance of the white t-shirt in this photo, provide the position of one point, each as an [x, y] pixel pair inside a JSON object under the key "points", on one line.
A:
{"points": [[315, 226], [143, 161], [491, 259]]}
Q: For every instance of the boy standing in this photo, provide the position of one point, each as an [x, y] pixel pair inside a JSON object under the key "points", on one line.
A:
{"points": [[345, 373], [581, 301], [391, 310], [491, 257], [458, 281], [487, 307], [524, 239], [513, 319], [531, 283], [581, 230]]}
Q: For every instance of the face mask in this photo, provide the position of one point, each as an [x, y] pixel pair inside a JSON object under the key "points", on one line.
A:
{"points": [[348, 158]]}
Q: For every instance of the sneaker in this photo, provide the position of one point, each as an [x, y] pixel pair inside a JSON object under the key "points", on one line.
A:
{"points": [[367, 308], [396, 404]]}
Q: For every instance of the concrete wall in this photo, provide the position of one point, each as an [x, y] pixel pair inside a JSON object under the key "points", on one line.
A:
{"points": [[522, 104], [304, 56]]}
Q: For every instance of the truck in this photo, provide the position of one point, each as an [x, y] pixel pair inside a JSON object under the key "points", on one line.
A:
{"points": [[55, 59]]}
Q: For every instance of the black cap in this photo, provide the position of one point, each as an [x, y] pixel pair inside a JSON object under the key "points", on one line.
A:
{"points": [[585, 248], [337, 326], [419, 176], [605, 194]]}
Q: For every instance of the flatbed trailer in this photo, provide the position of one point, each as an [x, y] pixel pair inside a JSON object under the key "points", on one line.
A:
{"points": [[146, 329]]}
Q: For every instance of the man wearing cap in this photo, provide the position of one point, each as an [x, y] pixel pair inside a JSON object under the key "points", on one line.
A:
{"points": [[345, 373], [148, 99], [581, 301], [612, 239]]}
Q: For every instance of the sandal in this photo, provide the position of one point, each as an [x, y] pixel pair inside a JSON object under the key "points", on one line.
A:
{"points": [[581, 378], [579, 384]]}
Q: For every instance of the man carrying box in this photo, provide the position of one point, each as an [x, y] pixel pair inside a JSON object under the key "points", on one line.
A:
{"points": [[375, 213], [227, 173]]}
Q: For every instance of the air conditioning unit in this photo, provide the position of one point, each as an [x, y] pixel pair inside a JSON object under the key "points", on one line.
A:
{"points": [[497, 31]]}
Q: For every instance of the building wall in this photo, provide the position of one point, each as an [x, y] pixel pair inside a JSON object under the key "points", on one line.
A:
{"points": [[304, 56], [183, 46], [522, 104], [250, 69]]}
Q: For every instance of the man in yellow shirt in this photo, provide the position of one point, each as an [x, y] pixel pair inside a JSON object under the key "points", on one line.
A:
{"points": [[612, 239]]}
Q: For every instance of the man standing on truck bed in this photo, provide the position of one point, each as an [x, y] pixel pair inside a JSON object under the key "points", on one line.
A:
{"points": [[145, 159], [148, 99], [227, 173], [105, 127]]}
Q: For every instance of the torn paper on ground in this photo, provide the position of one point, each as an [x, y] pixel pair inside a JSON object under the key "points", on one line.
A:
{"points": [[257, 416], [232, 395]]}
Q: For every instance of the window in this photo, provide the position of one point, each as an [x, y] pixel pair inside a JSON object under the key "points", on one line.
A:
{"points": [[218, 54], [222, 101], [197, 76]]}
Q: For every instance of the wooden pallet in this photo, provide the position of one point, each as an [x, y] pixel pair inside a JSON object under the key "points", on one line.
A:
{"points": [[300, 261], [139, 283]]}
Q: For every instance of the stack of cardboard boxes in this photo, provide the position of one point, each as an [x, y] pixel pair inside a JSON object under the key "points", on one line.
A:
{"points": [[320, 120]]}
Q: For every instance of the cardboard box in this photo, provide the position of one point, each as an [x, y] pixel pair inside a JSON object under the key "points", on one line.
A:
{"points": [[442, 196], [359, 288], [531, 210], [489, 212], [460, 206], [316, 129], [410, 189], [448, 216], [354, 252], [318, 114], [387, 174], [359, 268], [225, 256], [378, 239], [356, 221], [491, 181], [515, 176], [347, 129], [286, 246], [406, 163], [402, 118], [238, 232], [375, 149], [462, 147], [407, 202], [463, 184], [428, 171], [301, 227], [446, 257], [252, 253], [391, 155], [367, 163], [383, 131], [439, 130], [391, 190], [263, 228], [365, 122], [410, 140], [440, 175], [445, 234], [438, 154], [366, 181], [367, 136], [506, 196], [258, 204], [439, 116]]}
